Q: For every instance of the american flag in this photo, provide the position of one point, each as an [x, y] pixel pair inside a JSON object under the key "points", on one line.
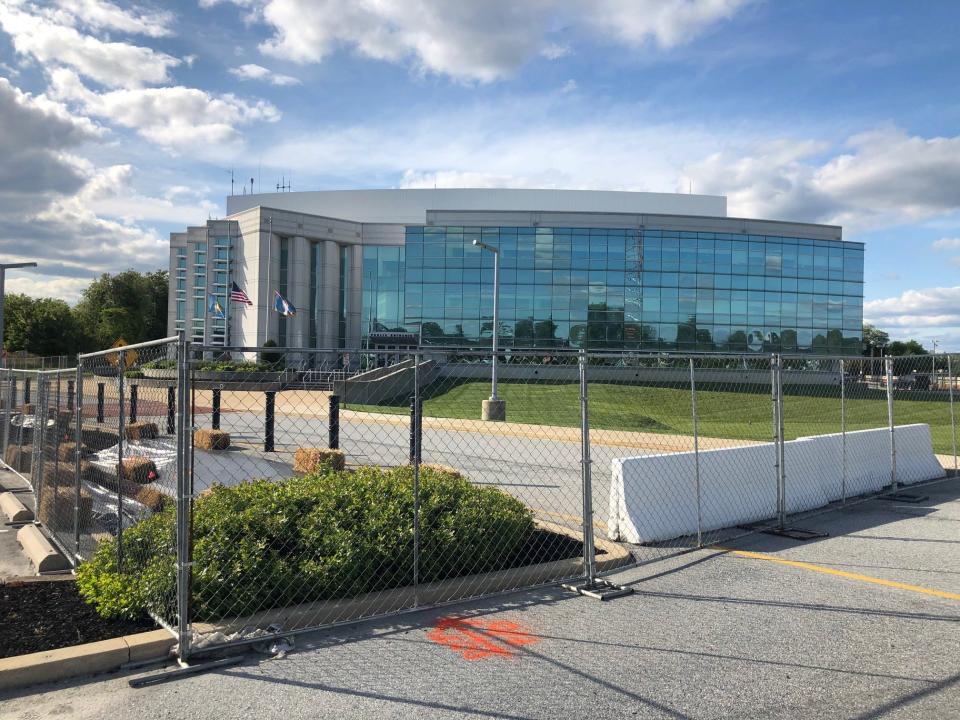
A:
{"points": [[238, 295]]}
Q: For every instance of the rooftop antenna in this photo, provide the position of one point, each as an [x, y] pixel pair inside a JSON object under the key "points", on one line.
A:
{"points": [[282, 186], [251, 186], [691, 187], [231, 181]]}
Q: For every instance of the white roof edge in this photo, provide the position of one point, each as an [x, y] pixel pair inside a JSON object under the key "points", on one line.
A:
{"points": [[411, 205]]}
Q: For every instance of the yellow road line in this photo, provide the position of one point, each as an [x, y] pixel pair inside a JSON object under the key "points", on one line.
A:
{"points": [[840, 573]]}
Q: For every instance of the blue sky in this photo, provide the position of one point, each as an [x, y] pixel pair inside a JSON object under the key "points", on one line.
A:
{"points": [[122, 120]]}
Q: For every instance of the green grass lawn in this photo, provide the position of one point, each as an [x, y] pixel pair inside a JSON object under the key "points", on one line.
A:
{"points": [[738, 415]]}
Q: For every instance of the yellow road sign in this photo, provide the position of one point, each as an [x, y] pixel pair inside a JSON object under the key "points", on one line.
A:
{"points": [[130, 357]]}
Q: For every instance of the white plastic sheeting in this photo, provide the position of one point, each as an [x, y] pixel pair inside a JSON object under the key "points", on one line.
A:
{"points": [[653, 497]]}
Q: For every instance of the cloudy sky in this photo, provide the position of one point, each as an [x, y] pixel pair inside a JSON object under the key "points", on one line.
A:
{"points": [[120, 122]]}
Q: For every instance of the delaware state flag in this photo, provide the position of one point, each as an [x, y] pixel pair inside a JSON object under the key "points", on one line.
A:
{"points": [[282, 305], [214, 307]]}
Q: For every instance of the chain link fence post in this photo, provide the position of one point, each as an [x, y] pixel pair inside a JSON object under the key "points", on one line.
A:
{"points": [[7, 410], [893, 436], [589, 551], [843, 431], [953, 418], [591, 585], [121, 364], [696, 451], [415, 461], [777, 409], [184, 496], [78, 442]]}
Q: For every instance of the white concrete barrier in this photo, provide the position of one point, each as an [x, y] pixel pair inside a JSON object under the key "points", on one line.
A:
{"points": [[653, 497]]}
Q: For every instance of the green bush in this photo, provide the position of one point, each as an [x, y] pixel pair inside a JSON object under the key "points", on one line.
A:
{"points": [[329, 534], [160, 365], [233, 366]]}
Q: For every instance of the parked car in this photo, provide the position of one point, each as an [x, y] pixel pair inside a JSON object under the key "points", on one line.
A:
{"points": [[912, 381]]}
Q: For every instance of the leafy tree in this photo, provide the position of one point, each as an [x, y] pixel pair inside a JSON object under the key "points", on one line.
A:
{"points": [[908, 347], [129, 305], [873, 340], [40, 326]]}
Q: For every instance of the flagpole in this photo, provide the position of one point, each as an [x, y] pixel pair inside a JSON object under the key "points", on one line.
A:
{"points": [[266, 314], [226, 292]]}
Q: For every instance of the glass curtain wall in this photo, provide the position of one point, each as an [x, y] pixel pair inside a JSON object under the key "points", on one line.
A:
{"points": [[383, 291], [635, 289]]}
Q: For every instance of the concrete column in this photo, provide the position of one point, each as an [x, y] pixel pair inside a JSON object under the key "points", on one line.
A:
{"points": [[329, 291], [266, 284], [355, 298], [298, 284]]}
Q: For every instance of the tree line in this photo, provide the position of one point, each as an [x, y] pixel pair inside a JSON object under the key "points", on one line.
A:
{"points": [[129, 305]]}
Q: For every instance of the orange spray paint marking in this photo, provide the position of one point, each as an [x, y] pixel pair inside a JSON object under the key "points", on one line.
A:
{"points": [[478, 639]]}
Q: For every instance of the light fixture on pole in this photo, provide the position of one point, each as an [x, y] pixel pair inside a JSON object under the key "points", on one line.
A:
{"points": [[3, 273], [494, 409]]}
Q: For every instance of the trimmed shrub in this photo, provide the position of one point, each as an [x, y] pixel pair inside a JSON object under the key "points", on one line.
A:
{"points": [[325, 535], [141, 431], [308, 460], [211, 439], [139, 470]]}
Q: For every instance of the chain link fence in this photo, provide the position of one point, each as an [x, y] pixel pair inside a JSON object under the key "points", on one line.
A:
{"points": [[247, 493]]}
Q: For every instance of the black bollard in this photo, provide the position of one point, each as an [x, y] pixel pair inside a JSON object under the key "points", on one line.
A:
{"points": [[133, 403], [171, 410], [334, 435], [26, 391], [13, 393], [268, 422], [216, 409], [100, 403], [71, 394]]}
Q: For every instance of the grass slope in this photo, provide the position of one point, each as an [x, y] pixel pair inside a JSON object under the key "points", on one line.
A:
{"points": [[723, 414]]}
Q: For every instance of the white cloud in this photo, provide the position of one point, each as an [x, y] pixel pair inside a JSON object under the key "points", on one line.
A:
{"points": [[876, 178], [56, 286], [554, 51], [100, 14], [668, 23], [48, 36], [927, 308], [569, 86], [473, 41], [177, 118], [946, 244], [528, 143], [251, 71], [49, 199]]}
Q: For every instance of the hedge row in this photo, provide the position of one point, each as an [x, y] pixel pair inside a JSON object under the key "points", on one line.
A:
{"points": [[329, 534]]}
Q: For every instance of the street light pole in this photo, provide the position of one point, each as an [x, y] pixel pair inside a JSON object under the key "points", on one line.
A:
{"points": [[494, 408], [3, 295]]}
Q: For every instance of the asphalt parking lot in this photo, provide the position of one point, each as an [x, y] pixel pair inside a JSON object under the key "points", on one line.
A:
{"points": [[862, 624]]}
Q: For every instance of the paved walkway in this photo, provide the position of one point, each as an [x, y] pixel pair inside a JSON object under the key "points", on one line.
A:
{"points": [[862, 624]]}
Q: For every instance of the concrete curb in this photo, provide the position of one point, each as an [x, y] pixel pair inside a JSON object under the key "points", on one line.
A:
{"points": [[40, 550], [15, 510], [88, 659]]}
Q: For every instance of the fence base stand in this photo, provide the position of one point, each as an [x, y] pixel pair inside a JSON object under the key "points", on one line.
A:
{"points": [[905, 497], [598, 589], [184, 671], [794, 533]]}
